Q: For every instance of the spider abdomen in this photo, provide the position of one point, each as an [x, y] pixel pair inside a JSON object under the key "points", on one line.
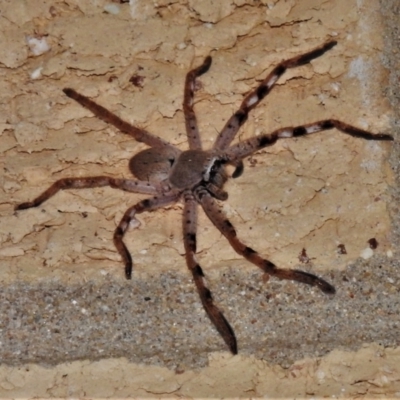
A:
{"points": [[154, 164]]}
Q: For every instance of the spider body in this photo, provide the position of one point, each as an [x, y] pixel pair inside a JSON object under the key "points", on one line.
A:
{"points": [[197, 177]]}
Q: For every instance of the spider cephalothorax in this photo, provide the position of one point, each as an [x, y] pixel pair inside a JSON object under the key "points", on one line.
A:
{"points": [[196, 176]]}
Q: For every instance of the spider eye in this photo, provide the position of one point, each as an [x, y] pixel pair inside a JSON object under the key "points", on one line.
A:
{"points": [[217, 166], [211, 169]]}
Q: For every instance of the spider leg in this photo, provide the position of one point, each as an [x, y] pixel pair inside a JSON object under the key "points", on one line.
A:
{"points": [[254, 97], [107, 116], [192, 129], [189, 238], [249, 146], [216, 216], [129, 216], [128, 185]]}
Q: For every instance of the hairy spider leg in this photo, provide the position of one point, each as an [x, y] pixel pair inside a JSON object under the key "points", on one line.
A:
{"points": [[192, 129], [189, 239], [128, 185], [217, 217], [249, 146], [255, 96], [105, 115], [129, 216]]}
